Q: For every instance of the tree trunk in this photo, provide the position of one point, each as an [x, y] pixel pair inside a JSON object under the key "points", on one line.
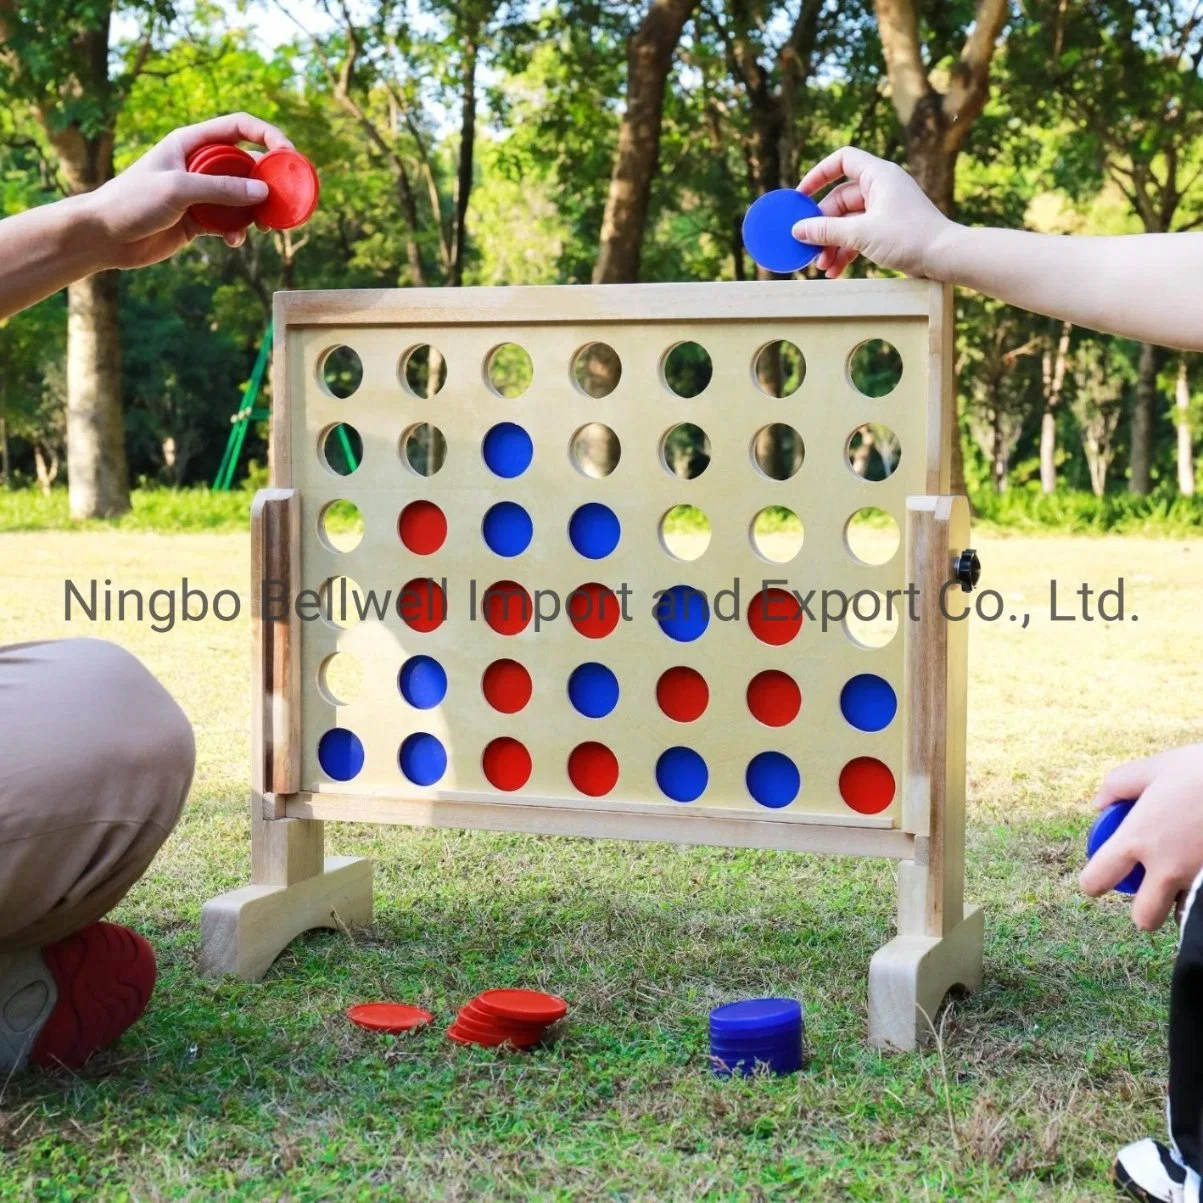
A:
{"points": [[1053, 374], [1140, 463], [4, 460], [649, 58], [97, 476], [467, 142], [1186, 451]]}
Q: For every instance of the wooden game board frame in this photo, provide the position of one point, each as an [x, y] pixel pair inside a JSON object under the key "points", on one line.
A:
{"points": [[294, 887]]}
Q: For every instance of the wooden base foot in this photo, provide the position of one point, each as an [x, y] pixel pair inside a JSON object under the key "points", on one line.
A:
{"points": [[243, 932], [910, 976]]}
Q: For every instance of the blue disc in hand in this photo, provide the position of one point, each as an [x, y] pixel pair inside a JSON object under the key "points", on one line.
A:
{"points": [[1104, 827], [768, 227]]}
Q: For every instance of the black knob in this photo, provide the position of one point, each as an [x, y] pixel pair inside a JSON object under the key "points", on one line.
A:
{"points": [[969, 570]]}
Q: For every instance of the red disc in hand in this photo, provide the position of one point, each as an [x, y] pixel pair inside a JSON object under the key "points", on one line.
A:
{"points": [[221, 160], [294, 189]]}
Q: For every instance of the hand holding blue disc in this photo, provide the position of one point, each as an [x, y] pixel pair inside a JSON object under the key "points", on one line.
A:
{"points": [[1104, 827], [768, 230]]}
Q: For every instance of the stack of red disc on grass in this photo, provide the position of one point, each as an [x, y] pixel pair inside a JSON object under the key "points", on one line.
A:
{"points": [[516, 1017], [290, 177]]}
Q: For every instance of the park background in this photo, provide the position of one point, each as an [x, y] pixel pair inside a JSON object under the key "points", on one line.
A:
{"points": [[475, 142]]}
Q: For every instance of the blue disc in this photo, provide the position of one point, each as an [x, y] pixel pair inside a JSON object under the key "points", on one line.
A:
{"points": [[683, 613], [423, 682], [768, 227], [1103, 828], [868, 702], [755, 1015], [508, 450], [423, 758], [682, 774], [773, 779], [507, 528], [340, 754], [593, 690], [594, 530]]}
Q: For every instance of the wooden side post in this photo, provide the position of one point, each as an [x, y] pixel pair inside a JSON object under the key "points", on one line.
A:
{"points": [[939, 941], [294, 886]]}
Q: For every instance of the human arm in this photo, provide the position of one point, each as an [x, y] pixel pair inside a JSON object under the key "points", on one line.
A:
{"points": [[1163, 832], [139, 217], [1147, 287]]}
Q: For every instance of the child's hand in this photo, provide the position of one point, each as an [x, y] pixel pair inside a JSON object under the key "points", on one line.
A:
{"points": [[142, 214], [1163, 832], [878, 211]]}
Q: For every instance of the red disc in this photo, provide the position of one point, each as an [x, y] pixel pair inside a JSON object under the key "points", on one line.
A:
{"points": [[683, 694], [867, 785], [507, 764], [294, 189], [222, 160], [422, 527], [473, 1012], [507, 686], [526, 1006], [774, 697], [593, 769], [422, 605], [201, 153], [593, 610], [774, 616], [388, 1017], [499, 1032], [507, 607]]}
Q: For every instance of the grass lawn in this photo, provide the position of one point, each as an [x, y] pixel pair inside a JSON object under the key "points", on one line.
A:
{"points": [[265, 1092]]}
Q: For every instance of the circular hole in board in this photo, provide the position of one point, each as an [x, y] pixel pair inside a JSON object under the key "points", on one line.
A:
{"points": [[683, 613], [867, 785], [422, 605], [593, 690], [507, 686], [340, 754], [422, 526], [686, 369], [682, 775], [507, 450], [507, 607], [423, 682], [682, 694], [507, 529], [509, 370], [774, 616], [776, 534], [423, 758], [774, 698], [872, 536], [340, 526], [340, 679], [873, 451], [773, 779], [593, 610], [506, 764], [340, 449], [685, 451], [423, 370], [423, 448], [868, 702], [685, 532], [596, 369], [340, 371], [594, 530], [595, 450], [779, 368], [777, 450], [593, 769], [872, 619], [343, 603], [875, 368]]}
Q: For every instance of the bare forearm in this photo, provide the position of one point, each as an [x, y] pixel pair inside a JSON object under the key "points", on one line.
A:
{"points": [[45, 249], [1142, 286]]}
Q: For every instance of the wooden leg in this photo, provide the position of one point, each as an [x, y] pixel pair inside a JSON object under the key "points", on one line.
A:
{"points": [[910, 977], [294, 888]]}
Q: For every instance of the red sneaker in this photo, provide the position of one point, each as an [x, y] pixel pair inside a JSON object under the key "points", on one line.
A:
{"points": [[105, 975]]}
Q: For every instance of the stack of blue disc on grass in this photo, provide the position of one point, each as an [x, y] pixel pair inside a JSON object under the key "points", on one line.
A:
{"points": [[760, 1031]]}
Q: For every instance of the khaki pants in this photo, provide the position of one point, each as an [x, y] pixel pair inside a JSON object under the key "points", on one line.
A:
{"points": [[95, 763]]}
